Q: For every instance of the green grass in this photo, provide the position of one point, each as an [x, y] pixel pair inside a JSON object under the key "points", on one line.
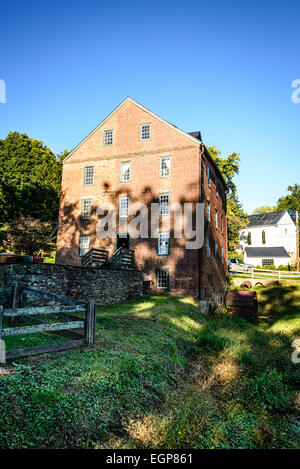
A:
{"points": [[160, 375]]}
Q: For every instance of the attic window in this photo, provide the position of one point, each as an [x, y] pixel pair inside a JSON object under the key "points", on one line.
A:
{"points": [[108, 137], [145, 132]]}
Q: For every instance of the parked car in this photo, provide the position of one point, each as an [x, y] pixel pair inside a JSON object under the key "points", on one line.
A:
{"points": [[237, 265]]}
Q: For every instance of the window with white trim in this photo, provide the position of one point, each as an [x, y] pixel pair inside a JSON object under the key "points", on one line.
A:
{"points": [[208, 210], [263, 237], [208, 248], [165, 166], [86, 208], [164, 204], [124, 207], [125, 171], [108, 137], [84, 244], [162, 279], [163, 244], [208, 175], [89, 175], [267, 262], [145, 132], [216, 219]]}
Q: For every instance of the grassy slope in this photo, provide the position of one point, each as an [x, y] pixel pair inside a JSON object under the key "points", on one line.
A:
{"points": [[160, 375]]}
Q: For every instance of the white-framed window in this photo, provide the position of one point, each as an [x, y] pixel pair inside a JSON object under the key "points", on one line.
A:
{"points": [[216, 219], [125, 171], [162, 279], [208, 210], [267, 262], [89, 175], [123, 206], [86, 208], [208, 248], [145, 131], [163, 243], [165, 166], [108, 137], [84, 244], [263, 237], [164, 204], [208, 175]]}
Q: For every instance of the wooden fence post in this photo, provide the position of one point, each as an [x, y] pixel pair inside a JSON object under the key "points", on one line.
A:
{"points": [[15, 302], [90, 323]]}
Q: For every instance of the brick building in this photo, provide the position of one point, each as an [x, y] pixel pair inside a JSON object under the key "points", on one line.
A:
{"points": [[136, 156]]}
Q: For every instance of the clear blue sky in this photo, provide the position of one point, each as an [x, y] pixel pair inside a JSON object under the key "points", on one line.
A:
{"points": [[224, 68]]}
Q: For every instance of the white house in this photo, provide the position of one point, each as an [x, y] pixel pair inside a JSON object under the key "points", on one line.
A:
{"points": [[269, 239]]}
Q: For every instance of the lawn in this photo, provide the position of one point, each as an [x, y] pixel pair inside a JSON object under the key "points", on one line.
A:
{"points": [[160, 375]]}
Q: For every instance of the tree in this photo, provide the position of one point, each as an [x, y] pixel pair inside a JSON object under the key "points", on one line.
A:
{"points": [[30, 178], [236, 217], [291, 201], [265, 209], [28, 236]]}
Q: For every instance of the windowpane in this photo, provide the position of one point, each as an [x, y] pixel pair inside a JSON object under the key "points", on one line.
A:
{"points": [[162, 279], [249, 239], [89, 176], [165, 166], [108, 137], [86, 208], [84, 245], [216, 251], [208, 248], [267, 262], [163, 244], [125, 171], [222, 254], [208, 210], [263, 237], [124, 207], [145, 132], [164, 204], [216, 219]]}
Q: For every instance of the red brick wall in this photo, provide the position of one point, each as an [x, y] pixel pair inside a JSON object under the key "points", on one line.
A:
{"points": [[189, 270]]}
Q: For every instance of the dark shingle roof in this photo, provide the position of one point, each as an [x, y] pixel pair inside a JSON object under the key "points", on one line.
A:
{"points": [[196, 134], [265, 219], [267, 252]]}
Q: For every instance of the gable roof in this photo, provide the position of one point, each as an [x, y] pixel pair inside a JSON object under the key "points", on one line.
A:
{"points": [[265, 219], [194, 138], [267, 252]]}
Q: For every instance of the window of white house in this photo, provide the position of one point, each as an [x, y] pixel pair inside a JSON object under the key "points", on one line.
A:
{"points": [[84, 244], [89, 175], [267, 262], [145, 132], [216, 219], [208, 175], [165, 166], [162, 279], [285, 231], [263, 237], [164, 204], [208, 248], [86, 208], [124, 207], [163, 244], [208, 210], [125, 171], [108, 137], [249, 239]]}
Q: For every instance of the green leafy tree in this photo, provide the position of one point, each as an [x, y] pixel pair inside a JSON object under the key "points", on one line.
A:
{"points": [[265, 209], [236, 217], [28, 236], [30, 178], [290, 201]]}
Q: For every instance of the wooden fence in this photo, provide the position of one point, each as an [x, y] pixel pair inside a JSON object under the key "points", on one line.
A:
{"points": [[67, 327], [255, 273]]}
